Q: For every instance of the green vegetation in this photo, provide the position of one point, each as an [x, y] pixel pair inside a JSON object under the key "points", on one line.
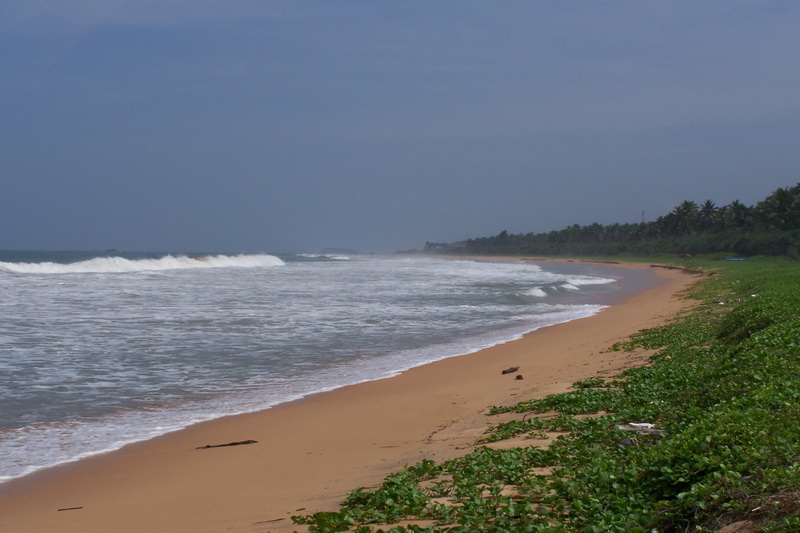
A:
{"points": [[722, 392], [771, 227]]}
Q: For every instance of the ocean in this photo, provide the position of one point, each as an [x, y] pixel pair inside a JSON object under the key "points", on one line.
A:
{"points": [[98, 350]]}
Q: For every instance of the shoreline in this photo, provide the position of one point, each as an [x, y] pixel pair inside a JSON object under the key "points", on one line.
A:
{"points": [[129, 426], [133, 426], [310, 452]]}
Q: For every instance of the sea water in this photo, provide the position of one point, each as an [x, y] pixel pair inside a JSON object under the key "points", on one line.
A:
{"points": [[104, 349]]}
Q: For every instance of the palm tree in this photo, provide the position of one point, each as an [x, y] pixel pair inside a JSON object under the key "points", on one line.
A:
{"points": [[683, 220], [708, 215], [738, 213], [781, 209]]}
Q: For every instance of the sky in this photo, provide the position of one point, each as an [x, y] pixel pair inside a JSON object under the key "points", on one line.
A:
{"points": [[293, 126]]}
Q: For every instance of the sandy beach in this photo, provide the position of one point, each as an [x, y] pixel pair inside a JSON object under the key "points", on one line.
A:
{"points": [[308, 454]]}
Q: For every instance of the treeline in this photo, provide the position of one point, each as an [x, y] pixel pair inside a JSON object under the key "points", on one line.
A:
{"points": [[771, 227]]}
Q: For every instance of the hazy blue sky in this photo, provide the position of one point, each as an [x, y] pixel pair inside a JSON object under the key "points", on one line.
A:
{"points": [[292, 126]]}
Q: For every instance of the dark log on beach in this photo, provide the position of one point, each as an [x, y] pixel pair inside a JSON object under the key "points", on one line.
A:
{"points": [[668, 267], [229, 444], [510, 370]]}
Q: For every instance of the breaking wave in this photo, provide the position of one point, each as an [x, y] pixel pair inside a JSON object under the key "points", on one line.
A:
{"points": [[571, 284], [120, 264], [536, 292], [324, 257]]}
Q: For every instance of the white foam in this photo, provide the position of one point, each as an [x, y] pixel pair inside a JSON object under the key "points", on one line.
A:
{"points": [[34, 448], [579, 281], [120, 264], [536, 292], [336, 257]]}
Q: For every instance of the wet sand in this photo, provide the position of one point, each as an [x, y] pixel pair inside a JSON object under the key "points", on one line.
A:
{"points": [[311, 452]]}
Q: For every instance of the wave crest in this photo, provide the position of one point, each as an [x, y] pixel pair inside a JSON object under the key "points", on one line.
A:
{"points": [[120, 264]]}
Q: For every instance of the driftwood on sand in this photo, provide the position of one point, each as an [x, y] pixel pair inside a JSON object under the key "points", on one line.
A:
{"points": [[239, 443]]}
